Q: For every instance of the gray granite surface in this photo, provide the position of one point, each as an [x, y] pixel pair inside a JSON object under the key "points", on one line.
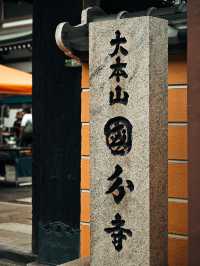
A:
{"points": [[84, 261], [145, 209]]}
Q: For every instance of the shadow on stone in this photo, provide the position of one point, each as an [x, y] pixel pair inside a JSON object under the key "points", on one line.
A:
{"points": [[85, 261]]}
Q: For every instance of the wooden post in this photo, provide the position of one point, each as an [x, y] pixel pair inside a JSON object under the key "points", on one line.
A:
{"points": [[56, 147]]}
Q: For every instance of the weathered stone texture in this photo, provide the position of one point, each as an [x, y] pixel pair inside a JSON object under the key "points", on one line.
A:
{"points": [[145, 209]]}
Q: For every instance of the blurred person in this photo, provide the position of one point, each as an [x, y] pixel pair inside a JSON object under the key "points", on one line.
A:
{"points": [[26, 127], [17, 124]]}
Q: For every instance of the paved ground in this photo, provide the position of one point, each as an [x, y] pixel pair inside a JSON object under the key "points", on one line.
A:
{"points": [[5, 262], [15, 218], [11, 193], [15, 226]]}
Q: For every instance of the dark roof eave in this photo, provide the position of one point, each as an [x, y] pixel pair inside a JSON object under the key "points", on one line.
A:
{"points": [[16, 41]]}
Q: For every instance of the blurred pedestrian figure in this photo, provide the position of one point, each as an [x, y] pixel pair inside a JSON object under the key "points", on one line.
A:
{"points": [[26, 127], [17, 124]]}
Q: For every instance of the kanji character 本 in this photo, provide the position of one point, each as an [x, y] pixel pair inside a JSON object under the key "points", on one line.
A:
{"points": [[118, 132], [118, 70], [117, 41], [119, 98], [117, 189], [118, 233]]}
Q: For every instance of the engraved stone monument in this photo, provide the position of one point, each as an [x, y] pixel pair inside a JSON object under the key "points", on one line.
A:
{"points": [[128, 138]]}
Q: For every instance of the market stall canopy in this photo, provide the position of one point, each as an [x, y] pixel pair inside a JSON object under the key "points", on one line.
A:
{"points": [[15, 82]]}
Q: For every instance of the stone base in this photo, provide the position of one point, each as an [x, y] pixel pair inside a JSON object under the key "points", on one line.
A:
{"points": [[85, 261]]}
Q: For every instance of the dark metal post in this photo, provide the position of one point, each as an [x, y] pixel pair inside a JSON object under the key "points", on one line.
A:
{"points": [[56, 147]]}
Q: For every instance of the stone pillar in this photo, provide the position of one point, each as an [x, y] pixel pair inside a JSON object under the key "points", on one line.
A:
{"points": [[128, 108]]}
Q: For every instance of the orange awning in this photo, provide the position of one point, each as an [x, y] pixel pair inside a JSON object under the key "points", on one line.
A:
{"points": [[15, 82]]}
